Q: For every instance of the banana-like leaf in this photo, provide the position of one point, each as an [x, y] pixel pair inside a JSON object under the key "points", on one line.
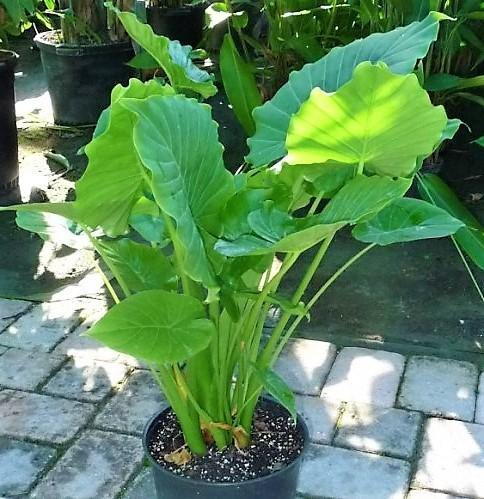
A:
{"points": [[399, 49], [176, 140], [379, 120], [157, 326], [170, 55], [471, 237], [407, 220], [239, 84], [111, 184], [363, 197], [141, 267]]}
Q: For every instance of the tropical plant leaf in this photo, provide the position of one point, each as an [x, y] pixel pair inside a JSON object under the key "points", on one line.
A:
{"points": [[141, 267], [471, 237], [379, 120], [52, 227], [176, 140], [407, 220], [156, 326], [147, 221], [67, 210], [111, 184], [363, 197], [443, 81], [239, 84], [278, 388], [170, 55], [399, 49]]}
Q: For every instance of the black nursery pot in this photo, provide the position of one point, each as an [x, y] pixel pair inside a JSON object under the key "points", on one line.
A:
{"points": [[80, 78], [184, 24], [281, 484], [8, 127]]}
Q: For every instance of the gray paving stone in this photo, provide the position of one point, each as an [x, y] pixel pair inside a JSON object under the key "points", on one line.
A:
{"points": [[131, 408], [142, 487], [480, 401], [24, 370], [452, 458], [428, 494], [304, 365], [9, 309], [377, 429], [3, 350], [364, 376], [43, 327], [40, 417], [86, 380], [440, 387], [20, 464], [96, 466], [320, 416], [346, 474]]}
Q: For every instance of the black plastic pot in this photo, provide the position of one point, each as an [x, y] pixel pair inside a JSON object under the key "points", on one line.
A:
{"points": [[281, 484], [184, 24], [8, 127], [80, 78]]}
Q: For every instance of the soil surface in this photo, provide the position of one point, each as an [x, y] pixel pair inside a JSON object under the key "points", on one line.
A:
{"points": [[276, 442]]}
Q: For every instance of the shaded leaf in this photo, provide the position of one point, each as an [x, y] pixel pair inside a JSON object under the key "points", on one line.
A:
{"points": [[407, 220]]}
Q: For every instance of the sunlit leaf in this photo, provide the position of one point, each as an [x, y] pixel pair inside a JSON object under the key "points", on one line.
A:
{"points": [[378, 120], [399, 49]]}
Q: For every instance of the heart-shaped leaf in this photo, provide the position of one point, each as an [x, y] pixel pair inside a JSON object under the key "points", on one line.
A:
{"points": [[156, 326], [378, 120]]}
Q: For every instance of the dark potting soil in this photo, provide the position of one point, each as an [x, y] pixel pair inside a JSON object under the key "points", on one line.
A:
{"points": [[276, 443]]}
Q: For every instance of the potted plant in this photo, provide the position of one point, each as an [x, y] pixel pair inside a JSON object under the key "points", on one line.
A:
{"points": [[84, 60], [192, 299], [177, 19]]}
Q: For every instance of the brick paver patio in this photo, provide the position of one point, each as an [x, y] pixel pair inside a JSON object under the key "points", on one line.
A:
{"points": [[382, 425]]}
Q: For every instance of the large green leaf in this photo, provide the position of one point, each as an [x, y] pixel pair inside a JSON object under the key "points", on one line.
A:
{"points": [[141, 267], [171, 56], [379, 120], [111, 184], [407, 220], [156, 326], [399, 49], [177, 141], [67, 210], [471, 237], [362, 197], [239, 84]]}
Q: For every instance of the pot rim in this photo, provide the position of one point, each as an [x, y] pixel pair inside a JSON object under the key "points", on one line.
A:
{"points": [[300, 422], [43, 43]]}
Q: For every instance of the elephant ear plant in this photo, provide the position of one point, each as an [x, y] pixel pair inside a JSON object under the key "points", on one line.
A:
{"points": [[199, 254]]}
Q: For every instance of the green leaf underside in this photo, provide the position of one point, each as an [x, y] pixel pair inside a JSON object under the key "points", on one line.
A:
{"points": [[239, 84], [67, 210], [177, 141], [407, 220], [399, 49], [141, 267], [278, 388], [171, 56], [378, 119], [156, 326], [471, 237]]}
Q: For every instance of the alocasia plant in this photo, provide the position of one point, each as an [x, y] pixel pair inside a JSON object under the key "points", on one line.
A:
{"points": [[195, 295]]}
